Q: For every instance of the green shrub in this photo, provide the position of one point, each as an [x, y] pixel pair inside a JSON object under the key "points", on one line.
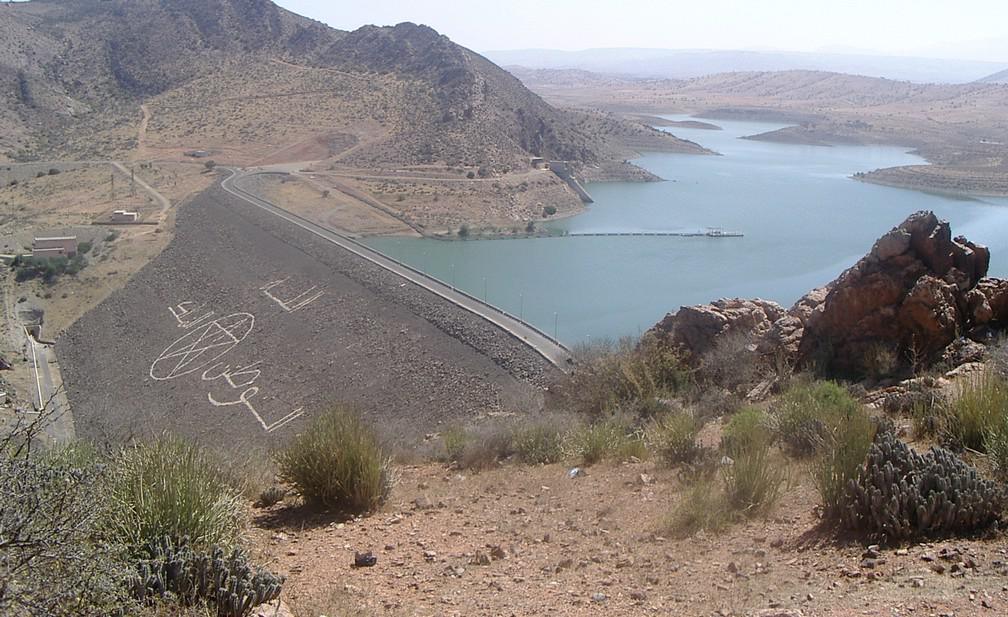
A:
{"points": [[903, 495], [538, 444], [745, 428], [753, 479], [337, 463], [808, 412], [996, 446], [981, 406], [607, 439], [486, 446], [610, 377], [454, 440], [673, 437], [702, 508], [842, 457], [171, 488]]}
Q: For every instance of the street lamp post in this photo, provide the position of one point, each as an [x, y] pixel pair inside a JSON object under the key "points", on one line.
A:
{"points": [[556, 321]]}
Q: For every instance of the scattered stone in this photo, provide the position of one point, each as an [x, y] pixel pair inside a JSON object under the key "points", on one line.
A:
{"points": [[598, 597], [480, 559], [364, 560]]}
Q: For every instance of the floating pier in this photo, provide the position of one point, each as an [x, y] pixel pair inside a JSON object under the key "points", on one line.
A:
{"points": [[710, 233]]}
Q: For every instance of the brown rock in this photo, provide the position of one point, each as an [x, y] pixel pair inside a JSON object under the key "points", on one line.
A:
{"points": [[694, 330]]}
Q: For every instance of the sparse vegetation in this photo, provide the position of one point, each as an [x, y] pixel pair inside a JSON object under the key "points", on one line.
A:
{"points": [[336, 463], [614, 375], [842, 457], [55, 556], [979, 410], [673, 437], [606, 439], [806, 414], [171, 488], [753, 478], [46, 268], [540, 443], [746, 428]]}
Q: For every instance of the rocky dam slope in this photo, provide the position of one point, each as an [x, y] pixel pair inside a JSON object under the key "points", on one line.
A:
{"points": [[246, 325]]}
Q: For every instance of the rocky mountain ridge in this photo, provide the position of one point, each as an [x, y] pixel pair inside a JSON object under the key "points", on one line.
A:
{"points": [[85, 66]]}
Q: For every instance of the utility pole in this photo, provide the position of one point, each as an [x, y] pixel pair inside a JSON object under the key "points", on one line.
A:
{"points": [[132, 181], [112, 177], [556, 322]]}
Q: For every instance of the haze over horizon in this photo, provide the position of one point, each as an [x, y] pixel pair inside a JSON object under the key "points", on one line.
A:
{"points": [[967, 30]]}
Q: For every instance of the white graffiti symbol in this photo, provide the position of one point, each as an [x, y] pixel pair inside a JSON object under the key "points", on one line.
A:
{"points": [[244, 377], [202, 346], [295, 303], [185, 314]]}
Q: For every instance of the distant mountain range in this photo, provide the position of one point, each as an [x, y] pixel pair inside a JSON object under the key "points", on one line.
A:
{"points": [[686, 64]]}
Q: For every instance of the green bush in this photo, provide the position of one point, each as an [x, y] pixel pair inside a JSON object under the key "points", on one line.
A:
{"points": [[996, 446], [538, 444], [842, 457], [610, 377], [171, 488], [337, 463], [807, 413], [607, 439], [673, 437], [745, 428], [981, 406], [702, 508], [753, 479], [454, 441]]}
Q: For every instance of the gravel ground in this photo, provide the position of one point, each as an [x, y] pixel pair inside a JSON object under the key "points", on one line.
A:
{"points": [[406, 358]]}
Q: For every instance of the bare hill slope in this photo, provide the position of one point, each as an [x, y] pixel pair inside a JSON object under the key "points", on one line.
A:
{"points": [[77, 71]]}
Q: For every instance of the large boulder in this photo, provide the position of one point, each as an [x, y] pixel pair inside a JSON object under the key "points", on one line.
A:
{"points": [[912, 296], [695, 330]]}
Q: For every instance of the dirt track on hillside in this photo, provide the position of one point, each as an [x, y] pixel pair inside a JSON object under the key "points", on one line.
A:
{"points": [[245, 326]]}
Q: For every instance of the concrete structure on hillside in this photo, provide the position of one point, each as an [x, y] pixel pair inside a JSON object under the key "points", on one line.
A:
{"points": [[124, 217], [538, 162], [56, 246], [563, 171]]}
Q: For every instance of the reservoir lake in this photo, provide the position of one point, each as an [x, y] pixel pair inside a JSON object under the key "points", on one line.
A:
{"points": [[803, 218]]}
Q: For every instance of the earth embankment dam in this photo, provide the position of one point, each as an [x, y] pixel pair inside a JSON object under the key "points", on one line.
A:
{"points": [[246, 326]]}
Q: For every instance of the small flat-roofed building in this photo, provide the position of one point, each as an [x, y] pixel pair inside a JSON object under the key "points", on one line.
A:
{"points": [[125, 216], [538, 162], [54, 246]]}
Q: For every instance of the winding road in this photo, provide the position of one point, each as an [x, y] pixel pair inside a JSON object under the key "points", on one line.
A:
{"points": [[548, 347]]}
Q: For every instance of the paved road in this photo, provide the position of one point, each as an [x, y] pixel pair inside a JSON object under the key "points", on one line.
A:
{"points": [[50, 394], [546, 346]]}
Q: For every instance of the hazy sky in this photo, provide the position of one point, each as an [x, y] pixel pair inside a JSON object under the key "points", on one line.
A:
{"points": [[973, 29]]}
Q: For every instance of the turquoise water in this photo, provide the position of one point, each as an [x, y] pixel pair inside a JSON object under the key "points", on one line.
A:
{"points": [[804, 221]]}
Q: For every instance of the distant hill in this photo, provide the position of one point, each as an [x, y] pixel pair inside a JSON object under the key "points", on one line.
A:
{"points": [[686, 64], [1000, 77], [248, 78]]}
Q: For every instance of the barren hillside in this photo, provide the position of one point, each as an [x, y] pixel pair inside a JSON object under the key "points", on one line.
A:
{"points": [[246, 79]]}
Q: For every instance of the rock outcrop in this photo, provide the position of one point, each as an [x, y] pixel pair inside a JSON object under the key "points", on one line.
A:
{"points": [[918, 296]]}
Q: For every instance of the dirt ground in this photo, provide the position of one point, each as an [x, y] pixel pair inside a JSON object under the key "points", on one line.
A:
{"points": [[533, 541]]}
